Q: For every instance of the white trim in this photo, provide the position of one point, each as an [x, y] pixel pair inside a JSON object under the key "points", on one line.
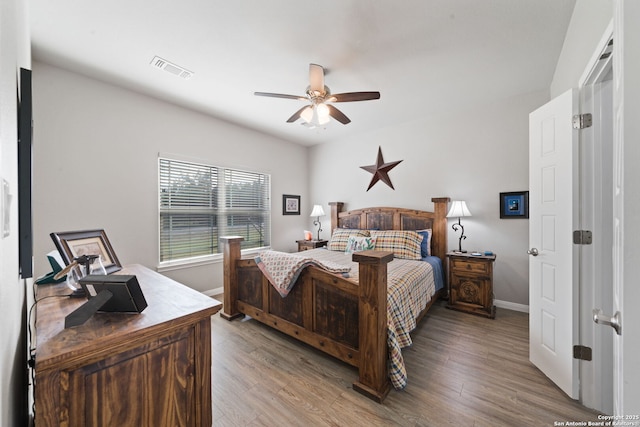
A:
{"points": [[511, 306], [595, 67], [208, 162], [204, 260], [213, 292], [188, 263]]}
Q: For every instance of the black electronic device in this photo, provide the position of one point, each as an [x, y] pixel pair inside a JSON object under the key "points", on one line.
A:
{"points": [[115, 293], [127, 295]]}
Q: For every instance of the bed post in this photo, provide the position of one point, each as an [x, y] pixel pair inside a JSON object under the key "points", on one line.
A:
{"points": [[439, 247], [373, 374], [231, 255], [336, 208]]}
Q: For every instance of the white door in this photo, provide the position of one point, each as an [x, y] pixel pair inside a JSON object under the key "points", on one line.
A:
{"points": [[552, 279]]}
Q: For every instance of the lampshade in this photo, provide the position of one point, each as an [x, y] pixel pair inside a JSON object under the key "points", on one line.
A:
{"points": [[458, 209], [307, 114], [316, 115], [323, 113], [317, 211]]}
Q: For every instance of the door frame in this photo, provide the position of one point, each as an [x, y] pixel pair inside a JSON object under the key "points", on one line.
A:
{"points": [[596, 214]]}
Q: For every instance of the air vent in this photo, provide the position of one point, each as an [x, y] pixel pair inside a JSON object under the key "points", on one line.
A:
{"points": [[170, 67]]}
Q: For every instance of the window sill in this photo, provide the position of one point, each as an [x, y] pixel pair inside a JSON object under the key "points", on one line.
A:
{"points": [[200, 261]]}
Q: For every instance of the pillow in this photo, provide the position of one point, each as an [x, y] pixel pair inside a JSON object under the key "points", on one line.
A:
{"points": [[357, 244], [425, 246], [404, 244], [338, 241]]}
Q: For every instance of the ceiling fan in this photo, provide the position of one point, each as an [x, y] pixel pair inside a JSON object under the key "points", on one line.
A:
{"points": [[320, 98]]}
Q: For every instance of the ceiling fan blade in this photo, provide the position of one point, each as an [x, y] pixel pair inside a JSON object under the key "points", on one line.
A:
{"points": [[316, 78], [297, 114], [353, 96], [338, 115], [281, 95]]}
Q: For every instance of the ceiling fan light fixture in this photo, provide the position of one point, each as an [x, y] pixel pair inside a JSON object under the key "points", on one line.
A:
{"points": [[318, 113], [323, 113], [307, 114]]}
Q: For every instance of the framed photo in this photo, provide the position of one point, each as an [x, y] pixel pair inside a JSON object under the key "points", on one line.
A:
{"points": [[290, 204], [514, 204], [72, 244]]}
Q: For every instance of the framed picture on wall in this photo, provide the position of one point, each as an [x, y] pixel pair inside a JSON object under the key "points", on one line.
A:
{"points": [[290, 204], [72, 244], [514, 204]]}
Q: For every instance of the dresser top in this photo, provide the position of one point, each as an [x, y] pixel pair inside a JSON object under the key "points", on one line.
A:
{"points": [[170, 304]]}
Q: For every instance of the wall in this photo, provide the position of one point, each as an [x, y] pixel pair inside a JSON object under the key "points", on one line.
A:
{"points": [[588, 23], [14, 48], [95, 167], [470, 155]]}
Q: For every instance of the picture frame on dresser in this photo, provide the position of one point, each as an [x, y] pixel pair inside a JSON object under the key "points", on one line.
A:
{"points": [[514, 204], [72, 244], [290, 204]]}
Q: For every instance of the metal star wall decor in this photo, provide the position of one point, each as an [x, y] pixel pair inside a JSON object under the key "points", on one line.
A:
{"points": [[380, 170]]}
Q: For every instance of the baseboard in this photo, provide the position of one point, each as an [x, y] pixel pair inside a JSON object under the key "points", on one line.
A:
{"points": [[511, 306], [212, 292]]}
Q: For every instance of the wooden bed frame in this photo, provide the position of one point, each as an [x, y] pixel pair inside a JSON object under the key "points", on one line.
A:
{"points": [[326, 311]]}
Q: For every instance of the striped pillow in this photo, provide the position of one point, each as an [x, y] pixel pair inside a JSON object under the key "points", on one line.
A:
{"points": [[340, 237], [404, 244]]}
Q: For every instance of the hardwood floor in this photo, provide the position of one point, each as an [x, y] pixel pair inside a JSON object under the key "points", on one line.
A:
{"points": [[463, 370]]}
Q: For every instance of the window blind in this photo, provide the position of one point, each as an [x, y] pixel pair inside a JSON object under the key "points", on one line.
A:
{"points": [[199, 203]]}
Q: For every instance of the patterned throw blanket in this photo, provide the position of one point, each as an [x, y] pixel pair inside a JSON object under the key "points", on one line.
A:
{"points": [[410, 286], [282, 269]]}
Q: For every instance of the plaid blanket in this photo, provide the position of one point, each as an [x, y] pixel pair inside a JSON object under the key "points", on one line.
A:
{"points": [[410, 286], [282, 269]]}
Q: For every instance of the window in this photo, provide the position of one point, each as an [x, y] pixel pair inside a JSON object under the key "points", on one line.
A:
{"points": [[199, 203]]}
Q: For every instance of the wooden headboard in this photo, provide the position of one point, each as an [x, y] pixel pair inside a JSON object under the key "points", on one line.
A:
{"points": [[397, 219]]}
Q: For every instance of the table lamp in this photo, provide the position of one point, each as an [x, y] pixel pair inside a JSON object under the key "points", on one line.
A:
{"points": [[458, 209], [317, 212]]}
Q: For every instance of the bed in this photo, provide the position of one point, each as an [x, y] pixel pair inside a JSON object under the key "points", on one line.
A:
{"points": [[332, 313]]}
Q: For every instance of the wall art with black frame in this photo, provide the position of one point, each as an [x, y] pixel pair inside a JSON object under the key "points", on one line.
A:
{"points": [[290, 204], [514, 204]]}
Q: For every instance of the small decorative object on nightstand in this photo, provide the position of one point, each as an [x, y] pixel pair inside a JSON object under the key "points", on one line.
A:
{"points": [[471, 283], [304, 245]]}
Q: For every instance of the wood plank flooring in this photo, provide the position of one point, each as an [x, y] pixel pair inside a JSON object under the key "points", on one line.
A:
{"points": [[463, 370]]}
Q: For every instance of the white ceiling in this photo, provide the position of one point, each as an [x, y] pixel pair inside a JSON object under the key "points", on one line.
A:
{"points": [[424, 56]]}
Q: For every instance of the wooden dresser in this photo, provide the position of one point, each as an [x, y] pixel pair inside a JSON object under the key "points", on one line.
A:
{"points": [[471, 283], [147, 369]]}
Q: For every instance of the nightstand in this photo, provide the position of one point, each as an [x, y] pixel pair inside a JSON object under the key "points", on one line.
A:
{"points": [[304, 245], [471, 283]]}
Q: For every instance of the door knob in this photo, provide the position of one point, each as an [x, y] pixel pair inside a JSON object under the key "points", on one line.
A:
{"points": [[614, 321], [533, 251]]}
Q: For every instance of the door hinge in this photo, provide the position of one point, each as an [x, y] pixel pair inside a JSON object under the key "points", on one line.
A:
{"points": [[582, 121], [582, 237], [581, 352]]}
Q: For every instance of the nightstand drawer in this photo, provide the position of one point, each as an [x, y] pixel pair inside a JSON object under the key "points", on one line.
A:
{"points": [[461, 266], [305, 245]]}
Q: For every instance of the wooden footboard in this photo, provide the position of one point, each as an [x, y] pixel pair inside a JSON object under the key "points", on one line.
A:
{"points": [[324, 310]]}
